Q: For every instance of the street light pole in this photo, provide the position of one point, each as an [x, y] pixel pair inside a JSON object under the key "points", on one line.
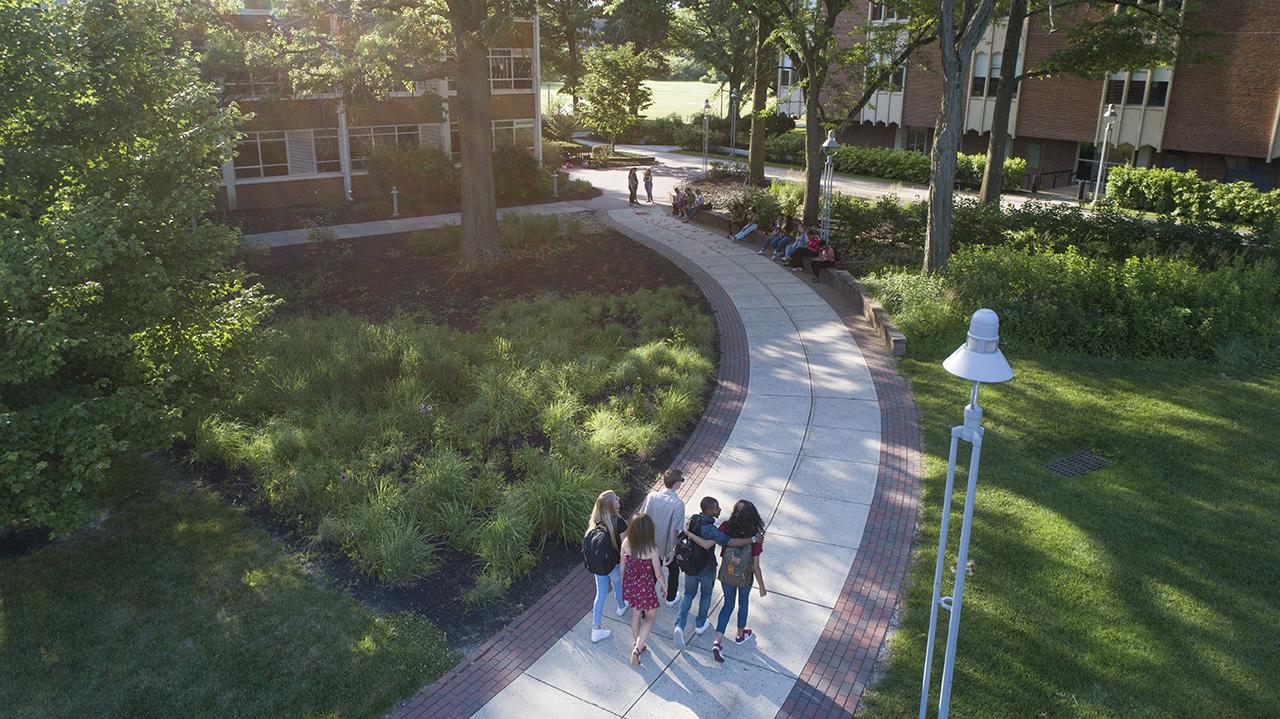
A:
{"points": [[706, 116], [1110, 117], [829, 148], [978, 360]]}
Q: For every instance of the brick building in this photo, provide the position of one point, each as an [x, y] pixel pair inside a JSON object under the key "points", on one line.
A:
{"points": [[1219, 116], [303, 150]]}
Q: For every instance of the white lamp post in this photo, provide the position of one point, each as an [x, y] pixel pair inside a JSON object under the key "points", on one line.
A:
{"points": [[829, 148], [1110, 117], [978, 360], [706, 115]]}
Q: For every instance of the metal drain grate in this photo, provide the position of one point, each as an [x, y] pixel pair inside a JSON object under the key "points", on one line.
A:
{"points": [[1077, 465]]}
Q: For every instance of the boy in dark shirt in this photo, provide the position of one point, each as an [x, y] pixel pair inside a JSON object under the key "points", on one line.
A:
{"points": [[701, 584]]}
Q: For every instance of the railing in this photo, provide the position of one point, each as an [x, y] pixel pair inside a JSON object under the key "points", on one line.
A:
{"points": [[1036, 182]]}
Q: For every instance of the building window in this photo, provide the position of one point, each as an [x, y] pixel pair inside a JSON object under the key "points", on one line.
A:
{"points": [[918, 139], [261, 154], [455, 141], [326, 146], [980, 69], [513, 133], [510, 69], [1159, 93], [1174, 161], [1032, 155], [363, 140], [786, 76], [1137, 88], [1115, 90], [248, 84], [881, 12], [898, 79], [993, 77]]}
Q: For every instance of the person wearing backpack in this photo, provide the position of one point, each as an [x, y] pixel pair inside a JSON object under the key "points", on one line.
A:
{"points": [[602, 553], [695, 554], [739, 567], [641, 574]]}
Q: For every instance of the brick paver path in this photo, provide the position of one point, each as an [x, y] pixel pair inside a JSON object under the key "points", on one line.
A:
{"points": [[812, 424]]}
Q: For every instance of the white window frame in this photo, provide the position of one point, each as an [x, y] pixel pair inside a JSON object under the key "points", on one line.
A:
{"points": [[256, 88], [256, 138], [376, 134], [507, 84], [513, 125], [327, 133]]}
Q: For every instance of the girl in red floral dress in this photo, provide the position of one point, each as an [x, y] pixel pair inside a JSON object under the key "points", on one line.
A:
{"points": [[641, 568]]}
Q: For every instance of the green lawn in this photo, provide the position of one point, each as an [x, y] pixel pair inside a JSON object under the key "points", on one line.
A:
{"points": [[1146, 589], [178, 607], [682, 97]]}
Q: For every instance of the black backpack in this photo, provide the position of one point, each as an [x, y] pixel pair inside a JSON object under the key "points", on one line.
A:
{"points": [[690, 557], [599, 553]]}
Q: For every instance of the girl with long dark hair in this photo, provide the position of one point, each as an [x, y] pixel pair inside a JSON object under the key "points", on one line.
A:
{"points": [[739, 569], [641, 567]]}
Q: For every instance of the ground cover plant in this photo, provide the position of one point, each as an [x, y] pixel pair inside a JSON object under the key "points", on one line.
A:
{"points": [[408, 442], [175, 604], [1185, 195]]}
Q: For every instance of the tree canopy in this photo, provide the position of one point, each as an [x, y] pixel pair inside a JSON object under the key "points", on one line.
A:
{"points": [[118, 305], [613, 89]]}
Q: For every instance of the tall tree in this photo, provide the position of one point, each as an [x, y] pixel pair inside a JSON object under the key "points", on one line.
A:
{"points": [[1101, 37], [719, 34], [959, 31], [644, 23], [877, 51], [613, 89], [566, 26], [119, 308], [766, 59]]}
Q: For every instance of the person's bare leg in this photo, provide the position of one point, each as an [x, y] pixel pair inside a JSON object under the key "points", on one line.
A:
{"points": [[646, 627]]}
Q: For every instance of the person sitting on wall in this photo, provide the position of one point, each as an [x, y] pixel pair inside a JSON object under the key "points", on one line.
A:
{"points": [[782, 229], [797, 253], [751, 225], [698, 205], [826, 258], [678, 203]]}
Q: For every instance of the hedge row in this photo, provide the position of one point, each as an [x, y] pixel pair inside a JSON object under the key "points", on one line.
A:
{"points": [[890, 164], [1187, 196]]}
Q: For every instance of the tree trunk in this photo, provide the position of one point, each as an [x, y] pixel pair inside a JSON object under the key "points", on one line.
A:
{"points": [[813, 153], [759, 102], [575, 65], [942, 164], [479, 206], [993, 175]]}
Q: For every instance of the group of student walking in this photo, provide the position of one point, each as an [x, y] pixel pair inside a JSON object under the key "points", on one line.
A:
{"points": [[641, 561]]}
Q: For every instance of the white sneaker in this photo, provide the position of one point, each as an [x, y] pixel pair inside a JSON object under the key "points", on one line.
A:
{"points": [[703, 629], [599, 635], [680, 636], [622, 609], [673, 602]]}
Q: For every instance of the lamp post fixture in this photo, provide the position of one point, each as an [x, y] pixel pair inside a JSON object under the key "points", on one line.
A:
{"points": [[733, 125], [706, 116], [1110, 117], [829, 148], [978, 360]]}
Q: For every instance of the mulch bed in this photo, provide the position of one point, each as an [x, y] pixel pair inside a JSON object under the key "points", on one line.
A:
{"points": [[384, 276]]}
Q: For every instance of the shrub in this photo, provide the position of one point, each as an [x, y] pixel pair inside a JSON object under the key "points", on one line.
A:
{"points": [[1138, 307], [424, 173], [1184, 195], [726, 171], [763, 202], [902, 165], [787, 147], [560, 125], [518, 175], [556, 153]]}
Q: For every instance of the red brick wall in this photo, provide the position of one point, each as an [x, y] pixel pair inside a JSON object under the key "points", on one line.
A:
{"points": [[1228, 107], [1054, 154], [1058, 108], [865, 135], [294, 192], [922, 90]]}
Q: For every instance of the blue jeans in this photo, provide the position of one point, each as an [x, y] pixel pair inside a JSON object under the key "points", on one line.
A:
{"points": [[732, 595], [775, 241], [745, 231], [602, 591], [701, 585], [648, 189]]}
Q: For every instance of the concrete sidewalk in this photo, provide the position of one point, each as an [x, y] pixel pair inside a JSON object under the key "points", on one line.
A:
{"points": [[805, 449]]}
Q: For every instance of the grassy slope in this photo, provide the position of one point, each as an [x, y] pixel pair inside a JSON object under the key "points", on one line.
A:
{"points": [[681, 97], [1143, 590], [177, 606]]}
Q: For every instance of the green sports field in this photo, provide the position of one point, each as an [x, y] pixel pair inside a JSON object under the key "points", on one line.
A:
{"points": [[683, 97]]}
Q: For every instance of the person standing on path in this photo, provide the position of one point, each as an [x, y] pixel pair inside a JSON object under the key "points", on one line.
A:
{"points": [[633, 184], [602, 552], [705, 536], [667, 511], [640, 568], [648, 184], [740, 567]]}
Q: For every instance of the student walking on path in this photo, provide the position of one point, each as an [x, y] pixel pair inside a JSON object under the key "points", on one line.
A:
{"points": [[640, 569], [667, 511], [740, 567], [633, 184], [602, 552], [648, 184], [697, 560]]}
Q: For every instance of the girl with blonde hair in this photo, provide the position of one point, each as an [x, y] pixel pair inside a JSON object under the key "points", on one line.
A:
{"points": [[602, 551], [641, 569]]}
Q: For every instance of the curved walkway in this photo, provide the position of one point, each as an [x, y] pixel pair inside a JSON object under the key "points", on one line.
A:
{"points": [[823, 440]]}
